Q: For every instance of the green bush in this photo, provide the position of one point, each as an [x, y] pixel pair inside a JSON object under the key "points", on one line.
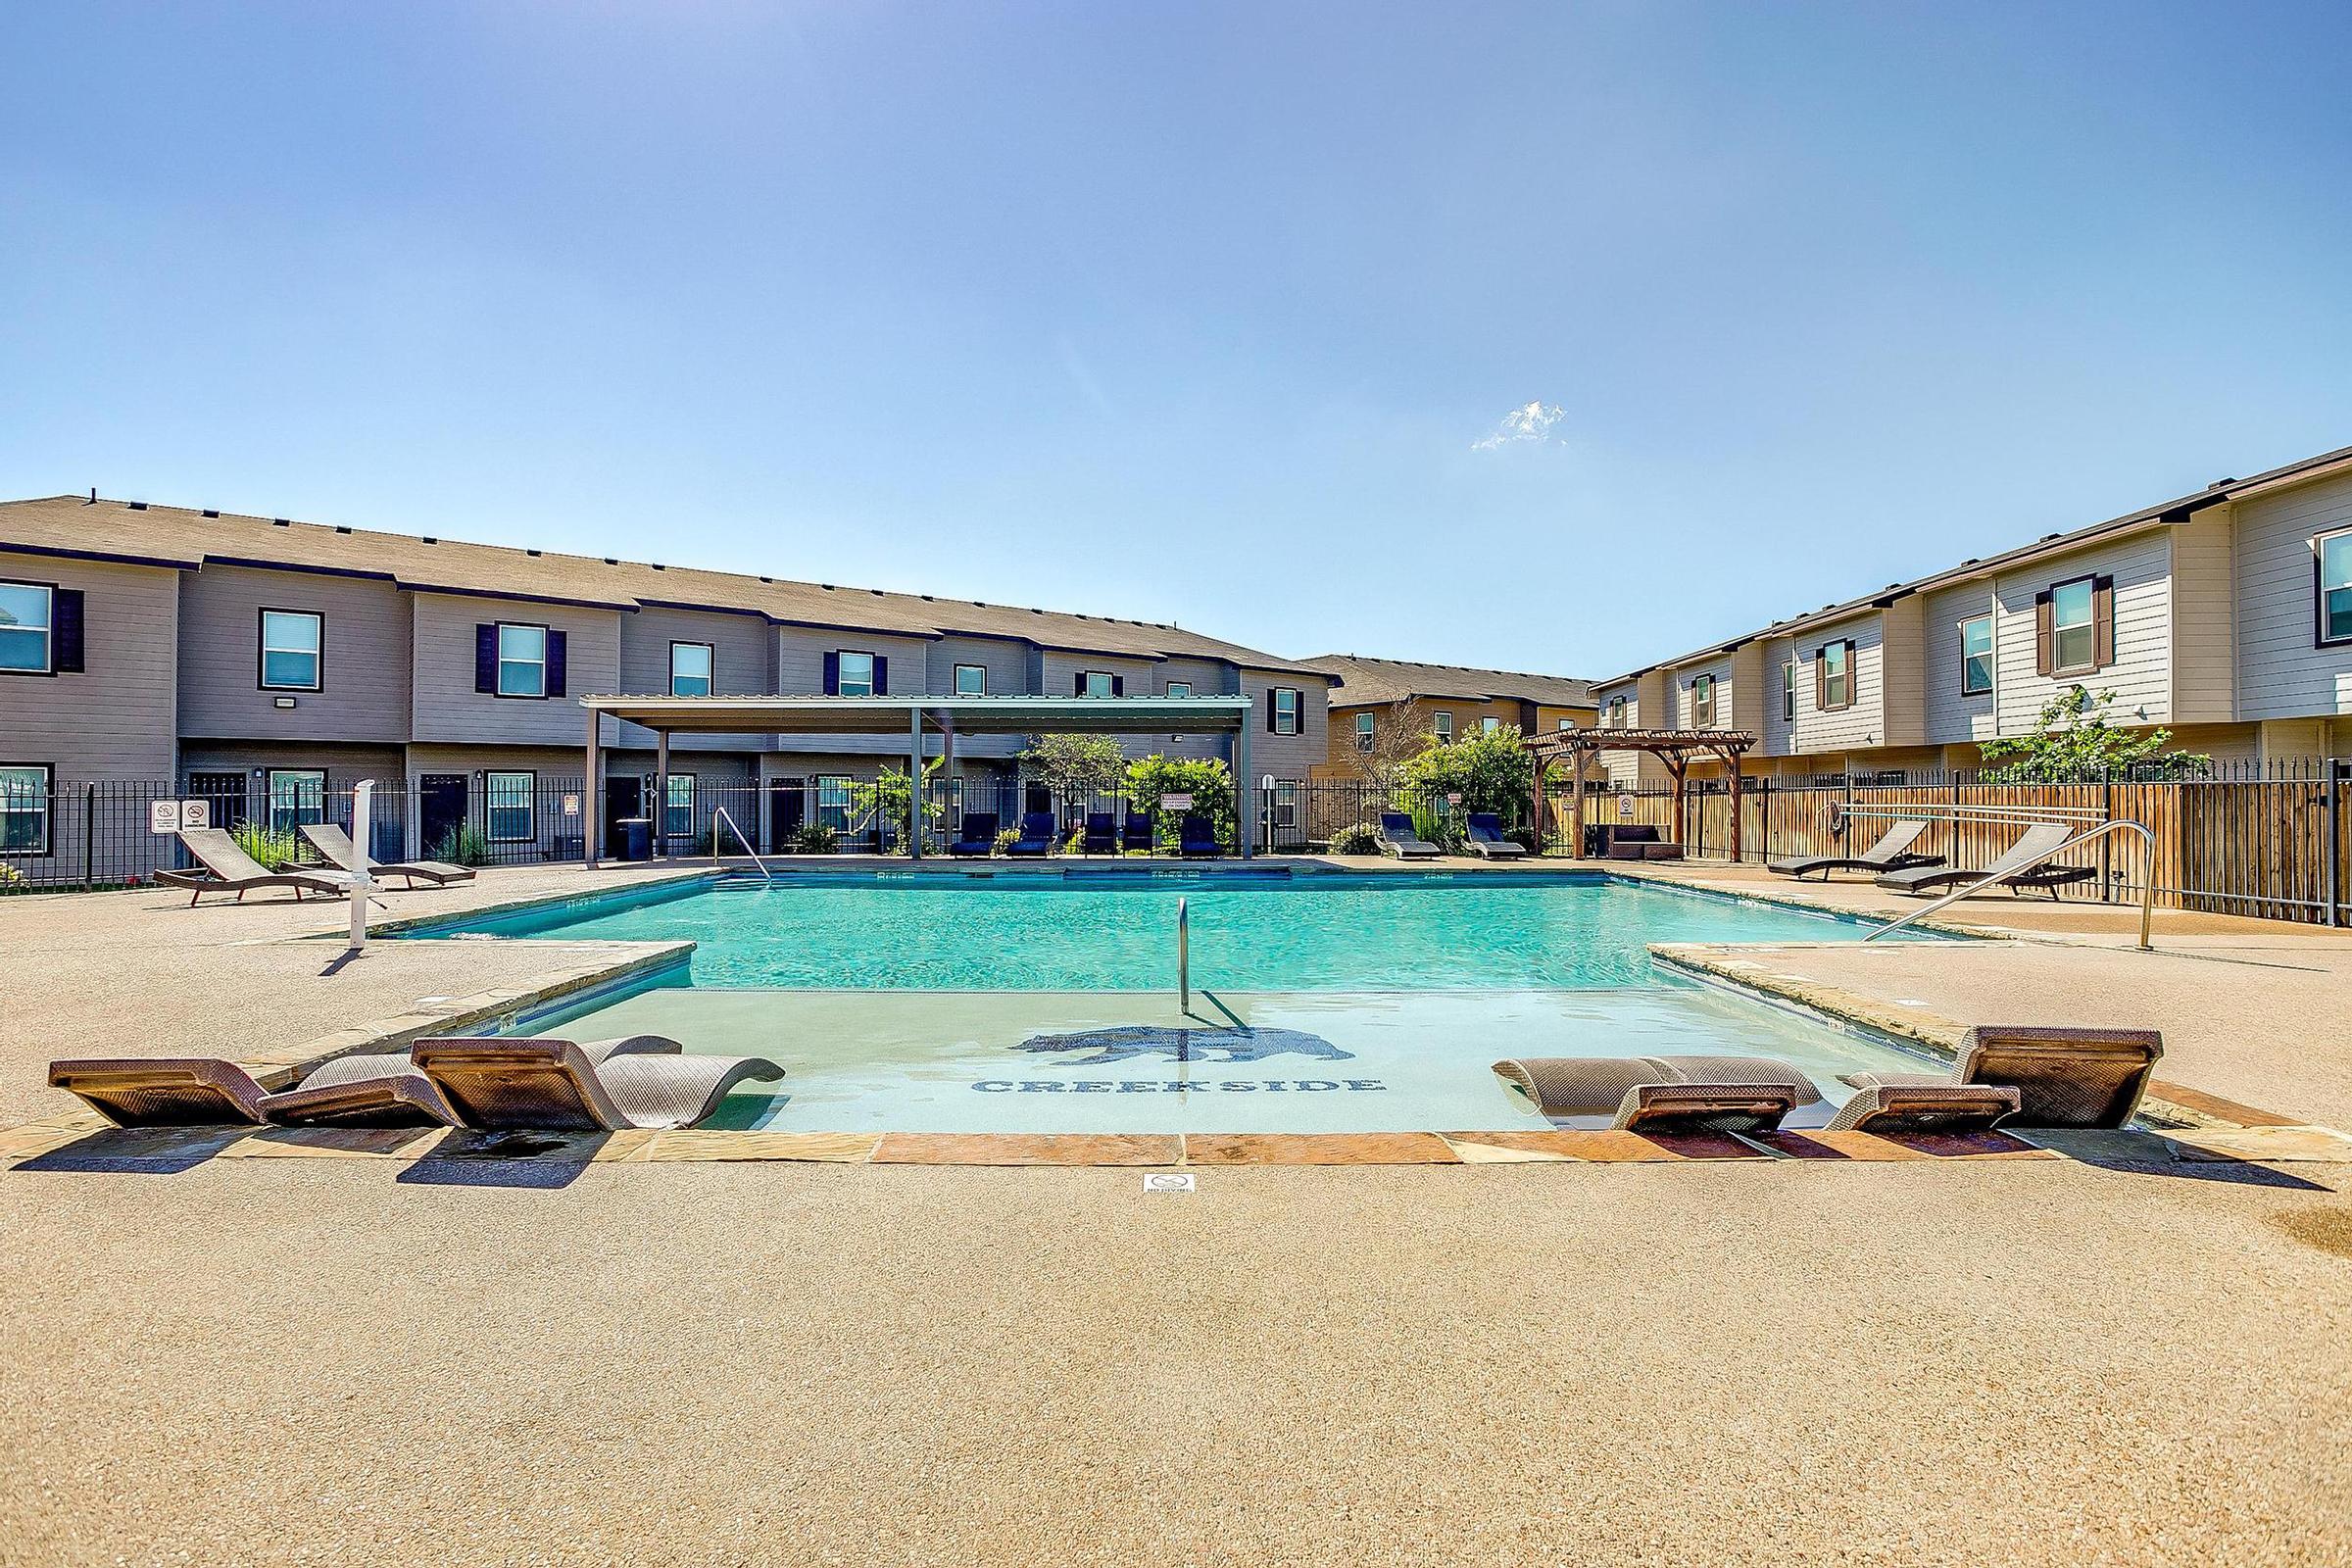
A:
{"points": [[1206, 780], [463, 845], [273, 849], [1006, 838], [814, 838], [1357, 838]]}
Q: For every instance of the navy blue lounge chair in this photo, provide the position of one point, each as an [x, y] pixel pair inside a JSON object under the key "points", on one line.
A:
{"points": [[1485, 837], [1102, 838], [1137, 833], [1199, 840], [1037, 834], [979, 834], [1397, 838]]}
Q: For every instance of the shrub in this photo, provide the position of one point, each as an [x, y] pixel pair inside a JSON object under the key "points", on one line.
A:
{"points": [[1206, 780], [1006, 838], [1357, 838], [273, 849], [463, 845], [814, 838]]}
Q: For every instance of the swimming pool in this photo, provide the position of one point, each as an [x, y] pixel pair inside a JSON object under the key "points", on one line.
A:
{"points": [[952, 1002]]}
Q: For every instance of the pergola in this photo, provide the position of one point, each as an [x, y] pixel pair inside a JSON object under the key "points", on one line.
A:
{"points": [[916, 717], [1673, 747]]}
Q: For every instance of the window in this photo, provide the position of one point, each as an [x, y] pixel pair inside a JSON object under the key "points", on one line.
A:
{"points": [[1702, 702], [291, 640], [971, 681], [1488, 724], [833, 801], [24, 809], [297, 795], [1286, 710], [1616, 712], [1363, 732], [1441, 725], [521, 660], [1094, 683], [1976, 655], [1789, 689], [1286, 804], [2336, 587], [2074, 635], [690, 668], [509, 799], [25, 610], [856, 675], [1833, 675], [678, 810], [1180, 688]]}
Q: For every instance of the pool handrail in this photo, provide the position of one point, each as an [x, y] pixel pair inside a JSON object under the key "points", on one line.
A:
{"points": [[1184, 954], [719, 814], [2147, 881]]}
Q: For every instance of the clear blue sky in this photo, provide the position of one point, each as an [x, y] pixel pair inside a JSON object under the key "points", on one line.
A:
{"points": [[1202, 312]]}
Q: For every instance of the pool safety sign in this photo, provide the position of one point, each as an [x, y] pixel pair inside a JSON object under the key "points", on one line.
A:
{"points": [[170, 817], [1175, 803]]}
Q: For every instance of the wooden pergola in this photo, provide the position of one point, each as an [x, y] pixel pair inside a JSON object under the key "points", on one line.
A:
{"points": [[1676, 748]]}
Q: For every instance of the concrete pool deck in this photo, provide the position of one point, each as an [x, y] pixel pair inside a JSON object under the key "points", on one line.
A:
{"points": [[1754, 1361]]}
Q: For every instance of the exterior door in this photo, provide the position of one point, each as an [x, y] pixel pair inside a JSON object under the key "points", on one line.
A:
{"points": [[440, 809], [624, 798], [787, 810]]}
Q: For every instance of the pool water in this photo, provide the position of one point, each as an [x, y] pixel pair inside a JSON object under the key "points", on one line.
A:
{"points": [[1386, 932]]}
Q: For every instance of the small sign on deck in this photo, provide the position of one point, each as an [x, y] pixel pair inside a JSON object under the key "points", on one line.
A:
{"points": [[1169, 1181]]}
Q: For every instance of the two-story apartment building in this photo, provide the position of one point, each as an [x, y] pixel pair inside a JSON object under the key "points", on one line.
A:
{"points": [[1440, 702], [2224, 616], [255, 657]]}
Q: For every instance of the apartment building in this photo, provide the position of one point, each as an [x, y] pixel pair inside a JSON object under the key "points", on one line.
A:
{"points": [[257, 657], [2223, 615], [1445, 701]]}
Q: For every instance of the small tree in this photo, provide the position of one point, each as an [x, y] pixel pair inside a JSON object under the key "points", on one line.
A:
{"points": [[1491, 771], [884, 802], [1400, 733], [1208, 780], [1072, 766], [2073, 741]]}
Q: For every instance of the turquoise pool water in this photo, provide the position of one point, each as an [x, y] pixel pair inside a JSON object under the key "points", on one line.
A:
{"points": [[1046, 933]]}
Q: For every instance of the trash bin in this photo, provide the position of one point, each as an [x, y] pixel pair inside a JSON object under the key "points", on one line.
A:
{"points": [[636, 838]]}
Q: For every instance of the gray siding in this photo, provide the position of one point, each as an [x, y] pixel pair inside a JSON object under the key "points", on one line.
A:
{"points": [[800, 672], [1842, 729], [363, 666], [1007, 663], [742, 664], [116, 719], [448, 709], [2141, 676], [1286, 756], [1955, 718], [2204, 619], [2282, 672]]}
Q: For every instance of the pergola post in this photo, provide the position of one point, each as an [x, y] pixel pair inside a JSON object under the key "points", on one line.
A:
{"points": [[1731, 760], [660, 812], [914, 785], [592, 793]]}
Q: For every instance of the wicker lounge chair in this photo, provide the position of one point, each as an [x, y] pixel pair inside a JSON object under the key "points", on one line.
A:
{"points": [[1485, 837], [1197, 840], [1639, 841], [553, 1085], [1934, 1107], [2063, 1077], [1598, 1086], [1893, 852], [226, 869], [2013, 869], [335, 844], [1396, 837], [1137, 833], [1703, 1107], [1036, 835], [979, 835], [1101, 835]]}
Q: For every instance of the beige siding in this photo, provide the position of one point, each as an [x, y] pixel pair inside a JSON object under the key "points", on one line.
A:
{"points": [[1903, 672], [1679, 693], [2204, 619], [1953, 716], [364, 670], [1779, 730], [449, 709], [2282, 672], [116, 719], [2142, 676]]}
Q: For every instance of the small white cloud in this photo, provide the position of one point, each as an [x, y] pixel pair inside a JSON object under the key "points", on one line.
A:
{"points": [[1530, 424]]}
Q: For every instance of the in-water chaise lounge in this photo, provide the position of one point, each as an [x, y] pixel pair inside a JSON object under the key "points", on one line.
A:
{"points": [[335, 844], [2013, 868], [1136, 833], [2062, 1077], [1101, 834], [1485, 838], [1603, 1086], [1196, 838], [979, 835], [1396, 837], [226, 869], [1893, 852], [499, 1085], [1036, 835]]}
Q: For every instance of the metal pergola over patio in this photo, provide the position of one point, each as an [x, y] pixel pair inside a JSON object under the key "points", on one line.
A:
{"points": [[917, 718], [1673, 747]]}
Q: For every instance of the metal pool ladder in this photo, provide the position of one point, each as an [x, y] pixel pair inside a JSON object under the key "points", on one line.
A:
{"points": [[2097, 830], [719, 814]]}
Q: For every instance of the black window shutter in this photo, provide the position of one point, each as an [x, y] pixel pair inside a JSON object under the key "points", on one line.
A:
{"points": [[485, 659], [2044, 634], [1078, 684], [881, 675], [1118, 685], [1270, 710], [833, 674], [65, 631], [555, 653]]}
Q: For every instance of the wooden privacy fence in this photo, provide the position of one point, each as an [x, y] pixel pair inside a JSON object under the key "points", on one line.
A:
{"points": [[2274, 844]]}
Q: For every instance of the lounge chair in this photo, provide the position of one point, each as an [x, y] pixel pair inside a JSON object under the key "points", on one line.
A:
{"points": [[1600, 1085], [1639, 841], [335, 844], [1101, 834], [226, 869], [1485, 837], [1932, 1107], [2063, 1077], [1138, 833], [1197, 838], [553, 1085], [1893, 852], [368, 1090], [979, 835], [1703, 1107], [2013, 869], [1036, 835], [1396, 837]]}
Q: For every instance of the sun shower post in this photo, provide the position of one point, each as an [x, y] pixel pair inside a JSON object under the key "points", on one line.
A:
{"points": [[362, 802]]}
